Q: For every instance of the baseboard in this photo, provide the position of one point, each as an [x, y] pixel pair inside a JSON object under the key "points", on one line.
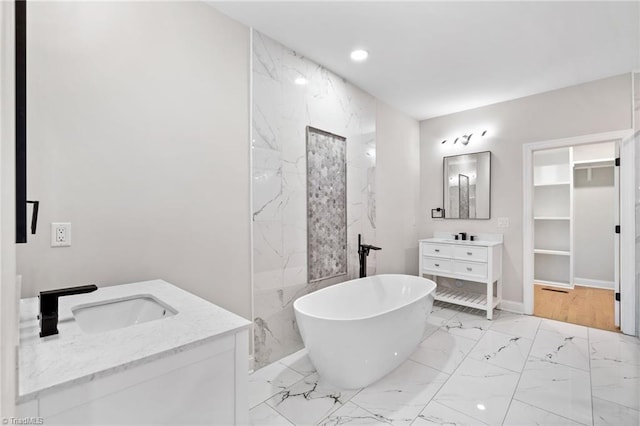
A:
{"points": [[584, 282], [511, 306]]}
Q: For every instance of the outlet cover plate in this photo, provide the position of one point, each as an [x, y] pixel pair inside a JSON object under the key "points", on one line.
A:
{"points": [[60, 234]]}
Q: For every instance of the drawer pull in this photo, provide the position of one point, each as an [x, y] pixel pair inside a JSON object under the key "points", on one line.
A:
{"points": [[469, 269], [437, 264], [469, 253], [437, 250]]}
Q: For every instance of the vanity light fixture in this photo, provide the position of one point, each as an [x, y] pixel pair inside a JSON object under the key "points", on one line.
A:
{"points": [[359, 55], [465, 139]]}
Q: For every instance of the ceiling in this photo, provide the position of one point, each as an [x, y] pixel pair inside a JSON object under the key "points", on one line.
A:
{"points": [[435, 58]]}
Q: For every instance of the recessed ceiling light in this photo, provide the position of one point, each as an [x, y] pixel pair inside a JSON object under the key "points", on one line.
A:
{"points": [[301, 81], [359, 55]]}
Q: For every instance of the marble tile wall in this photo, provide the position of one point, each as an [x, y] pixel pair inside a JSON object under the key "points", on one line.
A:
{"points": [[282, 109], [636, 111]]}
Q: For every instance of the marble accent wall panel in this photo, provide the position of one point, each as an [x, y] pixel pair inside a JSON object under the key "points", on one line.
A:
{"points": [[289, 93], [326, 205]]}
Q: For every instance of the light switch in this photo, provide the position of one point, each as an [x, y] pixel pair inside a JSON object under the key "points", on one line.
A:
{"points": [[503, 222]]}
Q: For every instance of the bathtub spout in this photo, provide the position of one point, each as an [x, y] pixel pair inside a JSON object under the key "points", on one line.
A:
{"points": [[363, 252]]}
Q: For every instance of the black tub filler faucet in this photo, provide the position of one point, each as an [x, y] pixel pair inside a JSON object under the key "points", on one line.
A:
{"points": [[363, 252]]}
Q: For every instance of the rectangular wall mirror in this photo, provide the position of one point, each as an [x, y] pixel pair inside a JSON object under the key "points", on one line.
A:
{"points": [[467, 186]]}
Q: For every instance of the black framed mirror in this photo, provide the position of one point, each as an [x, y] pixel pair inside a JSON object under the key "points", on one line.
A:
{"points": [[467, 186]]}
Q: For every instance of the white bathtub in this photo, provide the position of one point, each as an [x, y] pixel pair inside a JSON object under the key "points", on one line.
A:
{"points": [[359, 331]]}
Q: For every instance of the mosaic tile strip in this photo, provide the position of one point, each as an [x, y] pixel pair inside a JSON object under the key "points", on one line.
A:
{"points": [[326, 204]]}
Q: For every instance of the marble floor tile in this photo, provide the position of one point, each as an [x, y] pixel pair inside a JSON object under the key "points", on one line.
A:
{"points": [[618, 348], [565, 328], [440, 313], [443, 351], [438, 415], [309, 400], [467, 325], [617, 382], [597, 336], [502, 350], [299, 362], [480, 390], [401, 395], [268, 381], [561, 348], [521, 414], [615, 367], [516, 324], [351, 414], [562, 390], [470, 371], [263, 415], [608, 413], [429, 330]]}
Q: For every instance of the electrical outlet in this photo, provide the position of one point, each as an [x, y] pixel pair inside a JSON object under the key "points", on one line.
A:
{"points": [[503, 222], [60, 234]]}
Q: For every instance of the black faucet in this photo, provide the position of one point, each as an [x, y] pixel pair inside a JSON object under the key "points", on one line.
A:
{"points": [[363, 252], [463, 236], [49, 306]]}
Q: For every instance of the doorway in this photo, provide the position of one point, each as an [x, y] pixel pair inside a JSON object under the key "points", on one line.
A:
{"points": [[575, 195], [572, 263]]}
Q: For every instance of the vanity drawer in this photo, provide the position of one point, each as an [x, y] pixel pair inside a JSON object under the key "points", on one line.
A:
{"points": [[477, 254], [437, 250], [435, 264], [471, 269]]}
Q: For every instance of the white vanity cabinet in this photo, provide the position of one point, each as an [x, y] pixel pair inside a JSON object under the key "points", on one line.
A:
{"points": [[185, 369], [206, 385], [478, 261]]}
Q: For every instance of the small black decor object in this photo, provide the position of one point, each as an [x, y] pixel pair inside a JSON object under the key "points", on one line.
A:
{"points": [[437, 213]]}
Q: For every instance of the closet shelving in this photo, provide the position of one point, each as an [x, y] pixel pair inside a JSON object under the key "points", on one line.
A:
{"points": [[552, 213], [594, 164]]}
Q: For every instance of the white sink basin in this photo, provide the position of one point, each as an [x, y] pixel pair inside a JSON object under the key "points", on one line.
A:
{"points": [[119, 313]]}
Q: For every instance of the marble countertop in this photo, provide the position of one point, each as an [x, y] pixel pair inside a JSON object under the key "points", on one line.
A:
{"points": [[461, 242], [73, 356]]}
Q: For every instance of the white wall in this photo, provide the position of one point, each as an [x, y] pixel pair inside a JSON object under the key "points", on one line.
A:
{"points": [[397, 190], [593, 216], [138, 136], [593, 107], [8, 296]]}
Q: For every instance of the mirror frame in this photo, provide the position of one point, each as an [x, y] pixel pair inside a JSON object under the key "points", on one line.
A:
{"points": [[444, 180]]}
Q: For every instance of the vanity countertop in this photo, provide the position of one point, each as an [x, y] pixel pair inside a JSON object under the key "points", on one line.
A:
{"points": [[73, 356], [461, 242]]}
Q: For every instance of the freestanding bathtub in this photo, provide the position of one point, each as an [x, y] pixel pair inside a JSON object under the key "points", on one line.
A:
{"points": [[358, 331]]}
